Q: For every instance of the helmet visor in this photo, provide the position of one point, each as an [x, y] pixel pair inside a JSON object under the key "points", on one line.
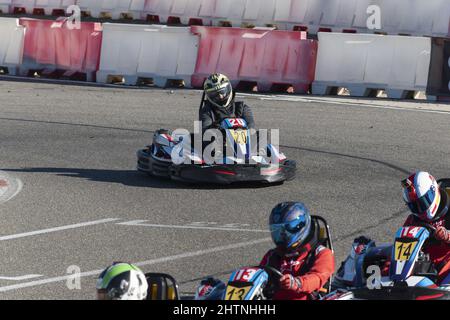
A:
{"points": [[423, 203], [220, 96], [285, 234]]}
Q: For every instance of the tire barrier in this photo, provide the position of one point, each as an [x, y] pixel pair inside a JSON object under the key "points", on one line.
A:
{"points": [[112, 9], [51, 47], [41, 7], [147, 53], [11, 44], [439, 78], [263, 56], [364, 64]]}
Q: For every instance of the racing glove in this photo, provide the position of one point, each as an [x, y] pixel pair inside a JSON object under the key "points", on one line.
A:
{"points": [[442, 234], [291, 283]]}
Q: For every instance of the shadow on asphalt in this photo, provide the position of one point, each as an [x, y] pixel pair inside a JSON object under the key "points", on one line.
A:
{"points": [[132, 178]]}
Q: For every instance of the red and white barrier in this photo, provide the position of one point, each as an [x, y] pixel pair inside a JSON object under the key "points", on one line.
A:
{"points": [[263, 56], [364, 63], [51, 45], [154, 52], [11, 44]]}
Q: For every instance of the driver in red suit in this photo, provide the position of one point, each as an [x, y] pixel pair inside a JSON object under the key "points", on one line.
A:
{"points": [[306, 265], [429, 204]]}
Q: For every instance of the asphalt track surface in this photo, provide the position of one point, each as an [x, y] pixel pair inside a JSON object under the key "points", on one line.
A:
{"points": [[73, 149]]}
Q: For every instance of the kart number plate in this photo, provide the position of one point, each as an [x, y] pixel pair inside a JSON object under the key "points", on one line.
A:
{"points": [[404, 249], [235, 293], [239, 136]]}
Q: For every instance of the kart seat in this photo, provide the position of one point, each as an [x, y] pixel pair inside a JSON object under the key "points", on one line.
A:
{"points": [[445, 184], [325, 240], [161, 286]]}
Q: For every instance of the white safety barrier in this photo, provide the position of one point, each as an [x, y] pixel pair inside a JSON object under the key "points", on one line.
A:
{"points": [[115, 9], [155, 52], [315, 14], [185, 10], [49, 7], [5, 6], [213, 12], [364, 63], [11, 44], [414, 17]]}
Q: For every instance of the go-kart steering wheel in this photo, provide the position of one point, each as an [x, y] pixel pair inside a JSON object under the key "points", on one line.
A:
{"points": [[274, 281], [273, 272], [428, 226]]}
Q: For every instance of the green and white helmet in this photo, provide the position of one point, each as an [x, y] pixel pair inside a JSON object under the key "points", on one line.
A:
{"points": [[218, 90], [122, 281]]}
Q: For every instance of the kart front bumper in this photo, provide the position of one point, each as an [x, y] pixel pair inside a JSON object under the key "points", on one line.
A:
{"points": [[217, 174]]}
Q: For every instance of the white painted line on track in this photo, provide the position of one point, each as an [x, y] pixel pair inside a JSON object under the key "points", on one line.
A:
{"points": [[56, 229], [139, 264], [143, 224], [22, 278], [351, 104], [331, 100]]}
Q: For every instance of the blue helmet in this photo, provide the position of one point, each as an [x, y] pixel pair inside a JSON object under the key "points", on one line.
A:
{"points": [[290, 225]]}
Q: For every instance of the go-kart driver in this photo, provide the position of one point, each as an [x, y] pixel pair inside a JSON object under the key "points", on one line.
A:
{"points": [[429, 204], [220, 103], [306, 265], [122, 281]]}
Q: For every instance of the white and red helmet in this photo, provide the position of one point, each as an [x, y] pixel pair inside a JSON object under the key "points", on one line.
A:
{"points": [[421, 194]]}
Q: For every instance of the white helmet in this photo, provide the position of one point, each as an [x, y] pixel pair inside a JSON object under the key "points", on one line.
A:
{"points": [[422, 195], [122, 281]]}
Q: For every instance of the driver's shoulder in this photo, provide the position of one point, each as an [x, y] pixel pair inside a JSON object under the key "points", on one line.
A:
{"points": [[266, 258]]}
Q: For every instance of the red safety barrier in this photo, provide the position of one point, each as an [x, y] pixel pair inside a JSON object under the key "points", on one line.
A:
{"points": [[52, 45], [266, 57]]}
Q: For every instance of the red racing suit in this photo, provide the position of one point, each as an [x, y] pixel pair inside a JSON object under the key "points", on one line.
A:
{"points": [[313, 266], [439, 251]]}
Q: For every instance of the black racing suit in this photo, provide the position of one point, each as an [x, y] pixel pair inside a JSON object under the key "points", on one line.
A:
{"points": [[212, 117]]}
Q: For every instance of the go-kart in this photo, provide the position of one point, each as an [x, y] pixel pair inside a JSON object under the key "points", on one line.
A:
{"points": [[235, 158], [248, 283], [410, 275], [261, 282]]}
